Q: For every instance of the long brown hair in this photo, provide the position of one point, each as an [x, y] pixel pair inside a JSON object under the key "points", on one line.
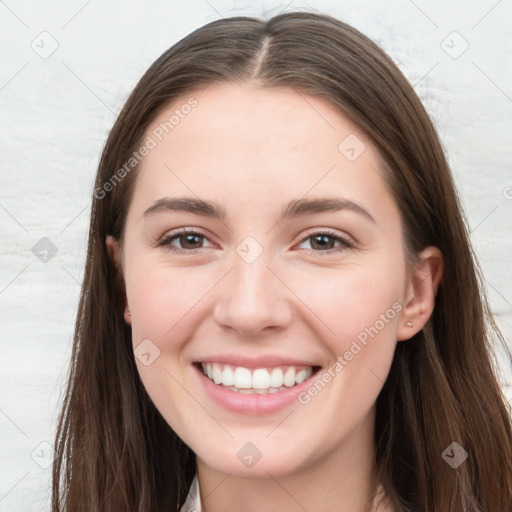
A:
{"points": [[115, 452]]}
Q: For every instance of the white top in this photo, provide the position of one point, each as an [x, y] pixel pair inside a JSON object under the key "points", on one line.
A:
{"points": [[193, 501]]}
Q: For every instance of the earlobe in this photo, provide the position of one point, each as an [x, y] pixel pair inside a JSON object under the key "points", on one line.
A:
{"points": [[421, 292]]}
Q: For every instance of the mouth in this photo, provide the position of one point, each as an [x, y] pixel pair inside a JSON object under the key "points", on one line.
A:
{"points": [[256, 381]]}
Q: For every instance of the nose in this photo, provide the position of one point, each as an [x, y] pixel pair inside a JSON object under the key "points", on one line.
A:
{"points": [[252, 298]]}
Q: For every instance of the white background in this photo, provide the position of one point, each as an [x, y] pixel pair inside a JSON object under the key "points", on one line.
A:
{"points": [[57, 112]]}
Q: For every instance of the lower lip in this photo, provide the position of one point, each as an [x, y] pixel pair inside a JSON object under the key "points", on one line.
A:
{"points": [[244, 403]]}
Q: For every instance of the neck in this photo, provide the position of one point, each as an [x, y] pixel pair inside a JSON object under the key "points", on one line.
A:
{"points": [[344, 480]]}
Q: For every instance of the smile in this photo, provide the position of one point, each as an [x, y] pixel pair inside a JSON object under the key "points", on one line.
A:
{"points": [[252, 386], [256, 381]]}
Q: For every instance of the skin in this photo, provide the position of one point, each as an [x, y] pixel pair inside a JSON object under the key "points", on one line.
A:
{"points": [[252, 151]]}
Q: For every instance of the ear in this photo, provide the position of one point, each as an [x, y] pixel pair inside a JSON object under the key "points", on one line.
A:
{"points": [[113, 249], [421, 292], [114, 253]]}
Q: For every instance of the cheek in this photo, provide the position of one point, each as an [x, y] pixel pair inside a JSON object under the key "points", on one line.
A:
{"points": [[356, 311], [163, 299], [164, 302], [347, 301]]}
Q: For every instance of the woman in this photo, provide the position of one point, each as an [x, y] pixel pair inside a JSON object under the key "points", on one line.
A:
{"points": [[281, 309]]}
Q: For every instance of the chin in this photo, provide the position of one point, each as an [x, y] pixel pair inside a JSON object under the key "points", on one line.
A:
{"points": [[250, 461]]}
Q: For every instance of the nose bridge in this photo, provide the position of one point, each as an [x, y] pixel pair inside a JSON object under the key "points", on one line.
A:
{"points": [[252, 297]]}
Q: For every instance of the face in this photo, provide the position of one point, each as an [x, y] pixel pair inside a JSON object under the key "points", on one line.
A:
{"points": [[293, 309]]}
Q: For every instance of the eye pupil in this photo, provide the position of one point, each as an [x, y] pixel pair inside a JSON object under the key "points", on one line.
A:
{"points": [[323, 244], [190, 239]]}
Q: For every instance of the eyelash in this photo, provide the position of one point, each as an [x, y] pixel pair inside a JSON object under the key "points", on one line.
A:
{"points": [[166, 242]]}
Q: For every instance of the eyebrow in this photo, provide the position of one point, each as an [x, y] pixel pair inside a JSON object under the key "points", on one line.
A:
{"points": [[294, 208]]}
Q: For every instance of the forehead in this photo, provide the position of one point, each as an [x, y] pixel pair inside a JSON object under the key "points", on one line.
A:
{"points": [[229, 139], [270, 121]]}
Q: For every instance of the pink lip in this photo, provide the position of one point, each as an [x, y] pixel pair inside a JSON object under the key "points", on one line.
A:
{"points": [[256, 362], [251, 404]]}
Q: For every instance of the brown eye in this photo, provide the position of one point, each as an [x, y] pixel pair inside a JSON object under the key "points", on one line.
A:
{"points": [[325, 242], [183, 242], [322, 242], [188, 240]]}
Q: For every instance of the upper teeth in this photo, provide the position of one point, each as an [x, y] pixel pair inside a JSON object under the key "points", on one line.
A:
{"points": [[260, 378]]}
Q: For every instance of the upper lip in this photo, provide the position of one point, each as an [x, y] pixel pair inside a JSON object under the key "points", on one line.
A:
{"points": [[264, 361]]}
